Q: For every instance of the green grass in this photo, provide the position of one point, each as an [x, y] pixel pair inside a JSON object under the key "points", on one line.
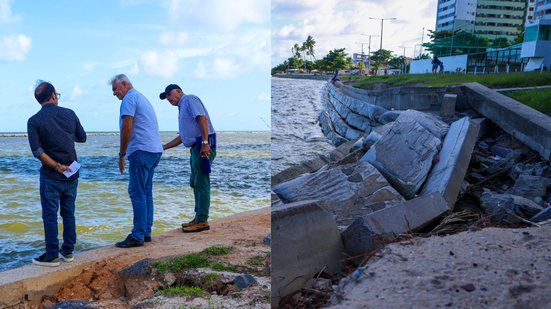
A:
{"points": [[223, 267], [442, 80], [182, 263], [256, 261], [217, 250], [182, 290], [195, 260], [538, 99]]}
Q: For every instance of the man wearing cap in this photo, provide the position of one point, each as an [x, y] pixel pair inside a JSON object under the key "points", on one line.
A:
{"points": [[52, 134], [197, 133], [141, 144]]}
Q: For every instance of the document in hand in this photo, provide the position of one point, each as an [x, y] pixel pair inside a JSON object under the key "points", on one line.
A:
{"points": [[75, 166]]}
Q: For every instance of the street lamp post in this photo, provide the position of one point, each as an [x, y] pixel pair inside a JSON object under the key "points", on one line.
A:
{"points": [[369, 52], [382, 20]]}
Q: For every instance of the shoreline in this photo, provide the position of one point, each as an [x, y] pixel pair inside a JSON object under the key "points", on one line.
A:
{"points": [[29, 284], [115, 133]]}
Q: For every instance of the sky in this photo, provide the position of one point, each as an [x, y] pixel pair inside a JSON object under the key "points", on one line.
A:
{"points": [[218, 50], [346, 24]]}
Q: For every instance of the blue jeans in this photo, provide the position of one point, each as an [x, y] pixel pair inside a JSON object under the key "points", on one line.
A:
{"points": [[58, 195], [141, 168]]}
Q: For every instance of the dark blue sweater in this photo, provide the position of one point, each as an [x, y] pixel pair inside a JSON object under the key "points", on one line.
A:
{"points": [[54, 131]]}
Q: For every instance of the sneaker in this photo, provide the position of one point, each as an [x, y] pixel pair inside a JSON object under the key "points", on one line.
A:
{"points": [[66, 257], [129, 242], [190, 223], [147, 239], [41, 260], [197, 227]]}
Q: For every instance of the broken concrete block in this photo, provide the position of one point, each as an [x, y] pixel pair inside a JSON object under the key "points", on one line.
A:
{"points": [[448, 105], [348, 191], [372, 138], [530, 187], [448, 173], [369, 233], [404, 156], [307, 242], [543, 215], [430, 122], [508, 208]]}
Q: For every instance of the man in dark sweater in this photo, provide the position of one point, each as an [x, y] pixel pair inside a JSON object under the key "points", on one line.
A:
{"points": [[52, 134]]}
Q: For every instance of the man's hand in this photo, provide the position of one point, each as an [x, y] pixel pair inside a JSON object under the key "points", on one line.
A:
{"points": [[122, 161], [205, 150]]}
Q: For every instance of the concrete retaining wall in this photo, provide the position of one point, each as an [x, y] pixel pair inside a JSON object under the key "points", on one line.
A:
{"points": [[304, 76], [524, 123]]}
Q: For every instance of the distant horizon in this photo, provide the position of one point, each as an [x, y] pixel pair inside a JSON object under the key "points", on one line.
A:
{"points": [[164, 131]]}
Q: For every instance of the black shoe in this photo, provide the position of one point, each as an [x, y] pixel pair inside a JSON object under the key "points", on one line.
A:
{"points": [[42, 261], [129, 242], [147, 239]]}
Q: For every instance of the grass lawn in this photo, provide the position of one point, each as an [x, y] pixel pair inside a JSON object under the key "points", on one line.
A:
{"points": [[538, 99], [490, 80]]}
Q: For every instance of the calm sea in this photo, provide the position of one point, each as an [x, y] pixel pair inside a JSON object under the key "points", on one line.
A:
{"points": [[296, 134], [240, 181]]}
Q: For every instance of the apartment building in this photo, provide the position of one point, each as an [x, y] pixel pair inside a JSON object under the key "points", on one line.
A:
{"points": [[486, 18], [537, 36]]}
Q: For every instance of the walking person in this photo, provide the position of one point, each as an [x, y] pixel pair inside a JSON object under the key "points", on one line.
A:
{"points": [[436, 63], [197, 133], [52, 134], [140, 142]]}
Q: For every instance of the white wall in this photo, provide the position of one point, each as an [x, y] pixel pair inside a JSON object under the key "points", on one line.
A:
{"points": [[451, 64]]}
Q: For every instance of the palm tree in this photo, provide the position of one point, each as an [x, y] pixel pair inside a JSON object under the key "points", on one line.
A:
{"points": [[309, 44]]}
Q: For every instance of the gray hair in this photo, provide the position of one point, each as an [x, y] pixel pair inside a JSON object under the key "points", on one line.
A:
{"points": [[119, 78]]}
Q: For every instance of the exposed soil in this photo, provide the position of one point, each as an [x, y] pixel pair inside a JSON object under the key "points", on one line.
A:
{"points": [[106, 284]]}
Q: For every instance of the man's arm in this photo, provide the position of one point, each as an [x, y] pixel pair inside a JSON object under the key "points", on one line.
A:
{"points": [[203, 122], [173, 143], [80, 134], [51, 163], [126, 133]]}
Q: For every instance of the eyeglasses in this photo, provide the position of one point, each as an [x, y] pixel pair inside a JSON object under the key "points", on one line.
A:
{"points": [[58, 95]]}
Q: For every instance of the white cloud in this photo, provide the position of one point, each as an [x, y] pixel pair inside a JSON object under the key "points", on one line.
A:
{"points": [[6, 15], [164, 64], [76, 93], [170, 38], [90, 67], [15, 47], [341, 23], [223, 16], [220, 68]]}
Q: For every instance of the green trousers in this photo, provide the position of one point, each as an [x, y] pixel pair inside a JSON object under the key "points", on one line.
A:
{"points": [[200, 182]]}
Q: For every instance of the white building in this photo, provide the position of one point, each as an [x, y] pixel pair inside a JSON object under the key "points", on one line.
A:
{"points": [[537, 37]]}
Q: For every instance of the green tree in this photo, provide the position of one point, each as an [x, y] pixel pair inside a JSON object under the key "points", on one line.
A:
{"points": [[446, 43], [520, 37], [336, 59], [309, 46], [380, 58], [500, 43]]}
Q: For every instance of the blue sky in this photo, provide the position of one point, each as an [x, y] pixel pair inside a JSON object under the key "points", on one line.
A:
{"points": [[346, 24], [218, 50]]}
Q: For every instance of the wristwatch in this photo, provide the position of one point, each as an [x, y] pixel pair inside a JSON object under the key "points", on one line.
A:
{"points": [[205, 142], [122, 154]]}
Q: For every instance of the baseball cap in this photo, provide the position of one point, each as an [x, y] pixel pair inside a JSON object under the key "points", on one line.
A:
{"points": [[168, 89]]}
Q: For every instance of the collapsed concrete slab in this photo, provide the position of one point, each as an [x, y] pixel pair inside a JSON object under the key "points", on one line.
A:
{"points": [[312, 165], [448, 173], [404, 155], [308, 242], [508, 208], [348, 191], [522, 122], [448, 105], [370, 232]]}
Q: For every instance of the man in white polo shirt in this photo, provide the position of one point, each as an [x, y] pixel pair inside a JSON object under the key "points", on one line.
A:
{"points": [[141, 144]]}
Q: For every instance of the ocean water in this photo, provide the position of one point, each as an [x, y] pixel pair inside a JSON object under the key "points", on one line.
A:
{"points": [[240, 181], [296, 134]]}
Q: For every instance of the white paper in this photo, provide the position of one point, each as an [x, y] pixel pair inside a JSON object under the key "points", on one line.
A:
{"points": [[75, 166]]}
